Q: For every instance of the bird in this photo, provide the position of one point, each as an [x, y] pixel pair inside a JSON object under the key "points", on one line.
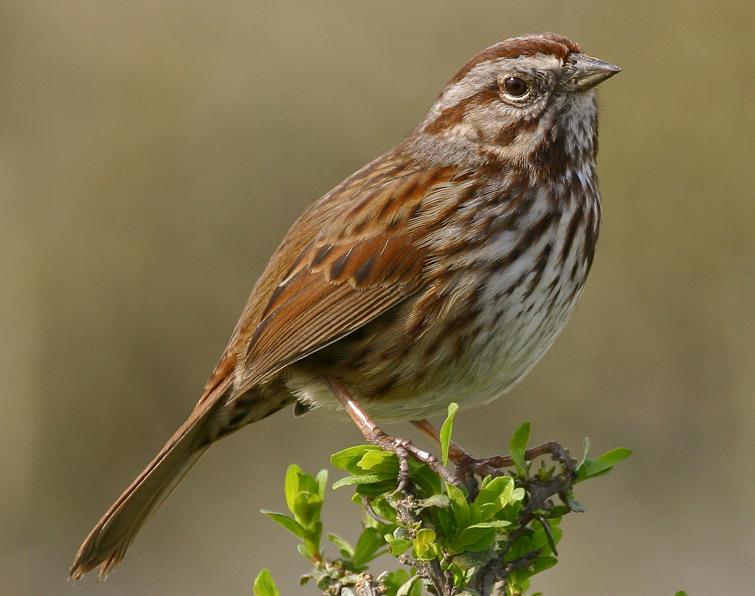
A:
{"points": [[440, 271]]}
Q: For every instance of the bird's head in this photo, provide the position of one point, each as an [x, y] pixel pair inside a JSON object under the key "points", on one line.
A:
{"points": [[516, 100]]}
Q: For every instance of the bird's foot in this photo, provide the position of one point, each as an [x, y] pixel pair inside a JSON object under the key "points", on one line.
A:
{"points": [[404, 451]]}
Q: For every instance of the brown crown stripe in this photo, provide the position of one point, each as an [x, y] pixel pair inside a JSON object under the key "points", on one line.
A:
{"points": [[527, 45]]}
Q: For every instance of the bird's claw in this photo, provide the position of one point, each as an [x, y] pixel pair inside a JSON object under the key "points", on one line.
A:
{"points": [[404, 450]]}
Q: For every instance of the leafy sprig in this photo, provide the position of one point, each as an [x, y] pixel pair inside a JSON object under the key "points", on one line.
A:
{"points": [[490, 539]]}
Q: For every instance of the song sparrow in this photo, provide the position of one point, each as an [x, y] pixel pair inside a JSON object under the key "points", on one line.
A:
{"points": [[441, 271]]}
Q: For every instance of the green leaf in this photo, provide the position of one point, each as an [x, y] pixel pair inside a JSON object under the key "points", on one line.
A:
{"points": [[478, 536], [322, 483], [518, 446], [346, 549], [377, 489], [681, 593], [445, 522], [494, 495], [291, 485], [459, 506], [473, 540], [348, 459], [394, 580], [496, 523], [363, 479], [407, 588], [264, 584], [441, 501], [397, 546], [603, 464], [291, 525], [585, 451], [446, 430], [312, 544], [610, 458], [542, 563], [425, 481], [542, 537], [424, 545], [308, 483], [380, 508], [379, 462], [307, 507], [368, 545]]}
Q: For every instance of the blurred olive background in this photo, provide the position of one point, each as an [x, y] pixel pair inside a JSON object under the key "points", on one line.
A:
{"points": [[152, 154]]}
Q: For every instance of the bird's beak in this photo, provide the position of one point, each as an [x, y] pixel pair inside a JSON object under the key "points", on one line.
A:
{"points": [[588, 71]]}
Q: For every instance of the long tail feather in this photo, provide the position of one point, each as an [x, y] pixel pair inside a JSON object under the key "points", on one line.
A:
{"points": [[106, 544], [212, 419]]}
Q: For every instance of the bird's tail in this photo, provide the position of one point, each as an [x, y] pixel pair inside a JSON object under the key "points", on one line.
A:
{"points": [[107, 542], [213, 418]]}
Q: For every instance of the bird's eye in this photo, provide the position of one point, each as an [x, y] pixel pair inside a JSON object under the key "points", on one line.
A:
{"points": [[515, 87]]}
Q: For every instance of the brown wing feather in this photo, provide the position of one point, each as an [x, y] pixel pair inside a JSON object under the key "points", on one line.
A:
{"points": [[325, 300], [301, 235], [347, 260]]}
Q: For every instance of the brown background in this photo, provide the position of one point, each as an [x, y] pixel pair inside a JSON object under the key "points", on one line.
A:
{"points": [[153, 152]]}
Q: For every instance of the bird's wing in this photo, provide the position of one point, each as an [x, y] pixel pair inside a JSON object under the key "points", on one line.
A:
{"points": [[346, 261]]}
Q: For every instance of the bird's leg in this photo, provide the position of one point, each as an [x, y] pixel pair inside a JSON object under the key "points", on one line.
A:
{"points": [[466, 464], [402, 448]]}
